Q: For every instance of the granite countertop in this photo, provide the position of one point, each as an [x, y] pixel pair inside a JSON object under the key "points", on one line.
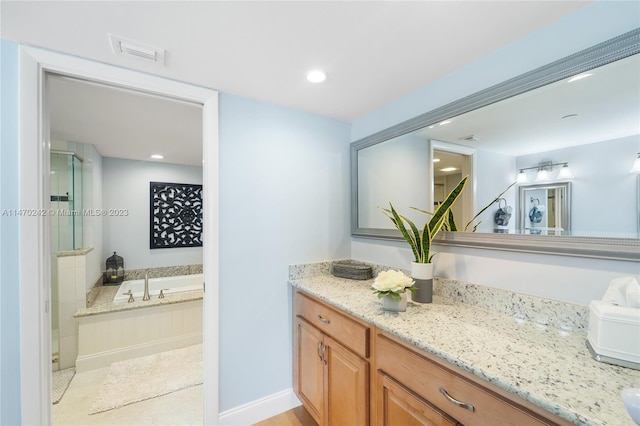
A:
{"points": [[103, 302], [546, 365]]}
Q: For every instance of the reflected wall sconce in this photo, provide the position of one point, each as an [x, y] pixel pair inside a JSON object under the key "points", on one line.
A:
{"points": [[542, 175], [545, 172], [522, 177], [565, 172], [636, 165]]}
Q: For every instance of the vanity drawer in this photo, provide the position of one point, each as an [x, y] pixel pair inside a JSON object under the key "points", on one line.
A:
{"points": [[426, 378], [345, 330]]}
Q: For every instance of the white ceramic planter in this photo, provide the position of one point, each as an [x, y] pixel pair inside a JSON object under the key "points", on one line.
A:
{"points": [[422, 274], [422, 271]]}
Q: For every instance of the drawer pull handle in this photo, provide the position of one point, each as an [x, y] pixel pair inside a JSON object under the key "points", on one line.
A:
{"points": [[324, 320], [455, 401]]}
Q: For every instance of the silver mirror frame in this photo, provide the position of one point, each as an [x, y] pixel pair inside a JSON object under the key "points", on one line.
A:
{"points": [[626, 249]]}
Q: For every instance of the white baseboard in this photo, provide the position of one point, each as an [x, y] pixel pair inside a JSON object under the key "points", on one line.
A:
{"points": [[260, 409], [106, 358]]}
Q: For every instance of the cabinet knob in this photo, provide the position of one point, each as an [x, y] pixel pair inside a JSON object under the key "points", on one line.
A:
{"points": [[455, 401]]}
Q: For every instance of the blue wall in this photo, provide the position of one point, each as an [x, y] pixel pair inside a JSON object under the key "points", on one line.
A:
{"points": [[9, 241], [284, 199]]}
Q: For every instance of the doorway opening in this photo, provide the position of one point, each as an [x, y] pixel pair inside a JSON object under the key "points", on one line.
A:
{"points": [[117, 131], [35, 191], [451, 163]]}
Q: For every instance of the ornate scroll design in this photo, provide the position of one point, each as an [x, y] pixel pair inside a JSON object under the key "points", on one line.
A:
{"points": [[176, 215]]}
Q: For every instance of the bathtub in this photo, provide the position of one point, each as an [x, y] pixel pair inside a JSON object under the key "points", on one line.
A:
{"points": [[170, 285]]}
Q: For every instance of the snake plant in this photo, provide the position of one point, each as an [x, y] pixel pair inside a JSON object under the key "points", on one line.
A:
{"points": [[420, 241], [450, 223]]}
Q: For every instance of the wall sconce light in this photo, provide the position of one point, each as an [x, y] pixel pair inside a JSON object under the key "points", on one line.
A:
{"points": [[545, 172], [522, 177], [636, 165], [565, 172]]}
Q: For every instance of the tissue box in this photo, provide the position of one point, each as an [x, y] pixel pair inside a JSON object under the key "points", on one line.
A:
{"points": [[614, 331]]}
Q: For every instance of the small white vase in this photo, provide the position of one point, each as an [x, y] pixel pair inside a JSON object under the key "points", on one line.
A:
{"points": [[422, 274], [391, 304]]}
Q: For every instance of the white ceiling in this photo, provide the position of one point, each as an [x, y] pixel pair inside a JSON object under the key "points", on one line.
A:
{"points": [[603, 106], [373, 53], [125, 124]]}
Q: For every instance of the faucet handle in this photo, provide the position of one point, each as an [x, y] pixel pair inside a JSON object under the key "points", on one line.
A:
{"points": [[161, 295], [130, 293]]}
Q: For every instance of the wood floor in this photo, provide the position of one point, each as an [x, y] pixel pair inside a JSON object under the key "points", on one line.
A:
{"points": [[295, 417]]}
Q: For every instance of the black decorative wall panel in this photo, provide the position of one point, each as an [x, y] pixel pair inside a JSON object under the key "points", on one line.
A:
{"points": [[176, 215]]}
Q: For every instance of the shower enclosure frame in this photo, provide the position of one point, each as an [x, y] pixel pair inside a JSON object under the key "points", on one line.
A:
{"points": [[75, 211], [67, 221], [35, 247]]}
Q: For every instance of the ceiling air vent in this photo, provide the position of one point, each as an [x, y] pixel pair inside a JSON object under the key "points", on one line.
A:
{"points": [[122, 46], [470, 138]]}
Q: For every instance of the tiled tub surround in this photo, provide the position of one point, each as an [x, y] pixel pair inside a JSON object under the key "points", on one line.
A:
{"points": [[494, 335], [136, 274], [110, 332], [162, 271], [72, 272]]}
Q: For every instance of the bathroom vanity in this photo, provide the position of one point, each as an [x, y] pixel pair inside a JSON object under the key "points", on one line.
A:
{"points": [[446, 363]]}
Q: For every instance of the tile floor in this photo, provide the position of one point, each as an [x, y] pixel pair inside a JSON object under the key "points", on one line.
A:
{"points": [[183, 407]]}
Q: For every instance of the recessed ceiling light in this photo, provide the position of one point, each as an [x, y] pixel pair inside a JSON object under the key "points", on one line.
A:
{"points": [[157, 156], [445, 122], [316, 76], [435, 160], [578, 77], [448, 169]]}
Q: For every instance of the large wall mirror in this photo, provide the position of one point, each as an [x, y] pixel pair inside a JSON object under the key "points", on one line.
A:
{"points": [[568, 133]]}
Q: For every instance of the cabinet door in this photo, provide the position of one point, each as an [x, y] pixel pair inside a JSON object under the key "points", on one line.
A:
{"points": [[347, 386], [310, 369], [398, 406]]}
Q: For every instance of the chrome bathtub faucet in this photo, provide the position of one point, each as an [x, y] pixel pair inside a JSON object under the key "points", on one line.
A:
{"points": [[146, 288]]}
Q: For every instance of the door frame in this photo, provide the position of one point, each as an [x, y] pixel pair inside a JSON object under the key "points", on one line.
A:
{"points": [[34, 251]]}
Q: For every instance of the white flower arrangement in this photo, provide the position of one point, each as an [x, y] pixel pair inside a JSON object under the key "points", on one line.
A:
{"points": [[392, 283]]}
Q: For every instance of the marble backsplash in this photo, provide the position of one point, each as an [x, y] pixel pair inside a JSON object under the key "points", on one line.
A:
{"points": [[519, 305]]}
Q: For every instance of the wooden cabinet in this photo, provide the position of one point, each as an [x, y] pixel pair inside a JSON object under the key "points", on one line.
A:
{"points": [[331, 370], [397, 406], [310, 369], [349, 373], [346, 385], [417, 387]]}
